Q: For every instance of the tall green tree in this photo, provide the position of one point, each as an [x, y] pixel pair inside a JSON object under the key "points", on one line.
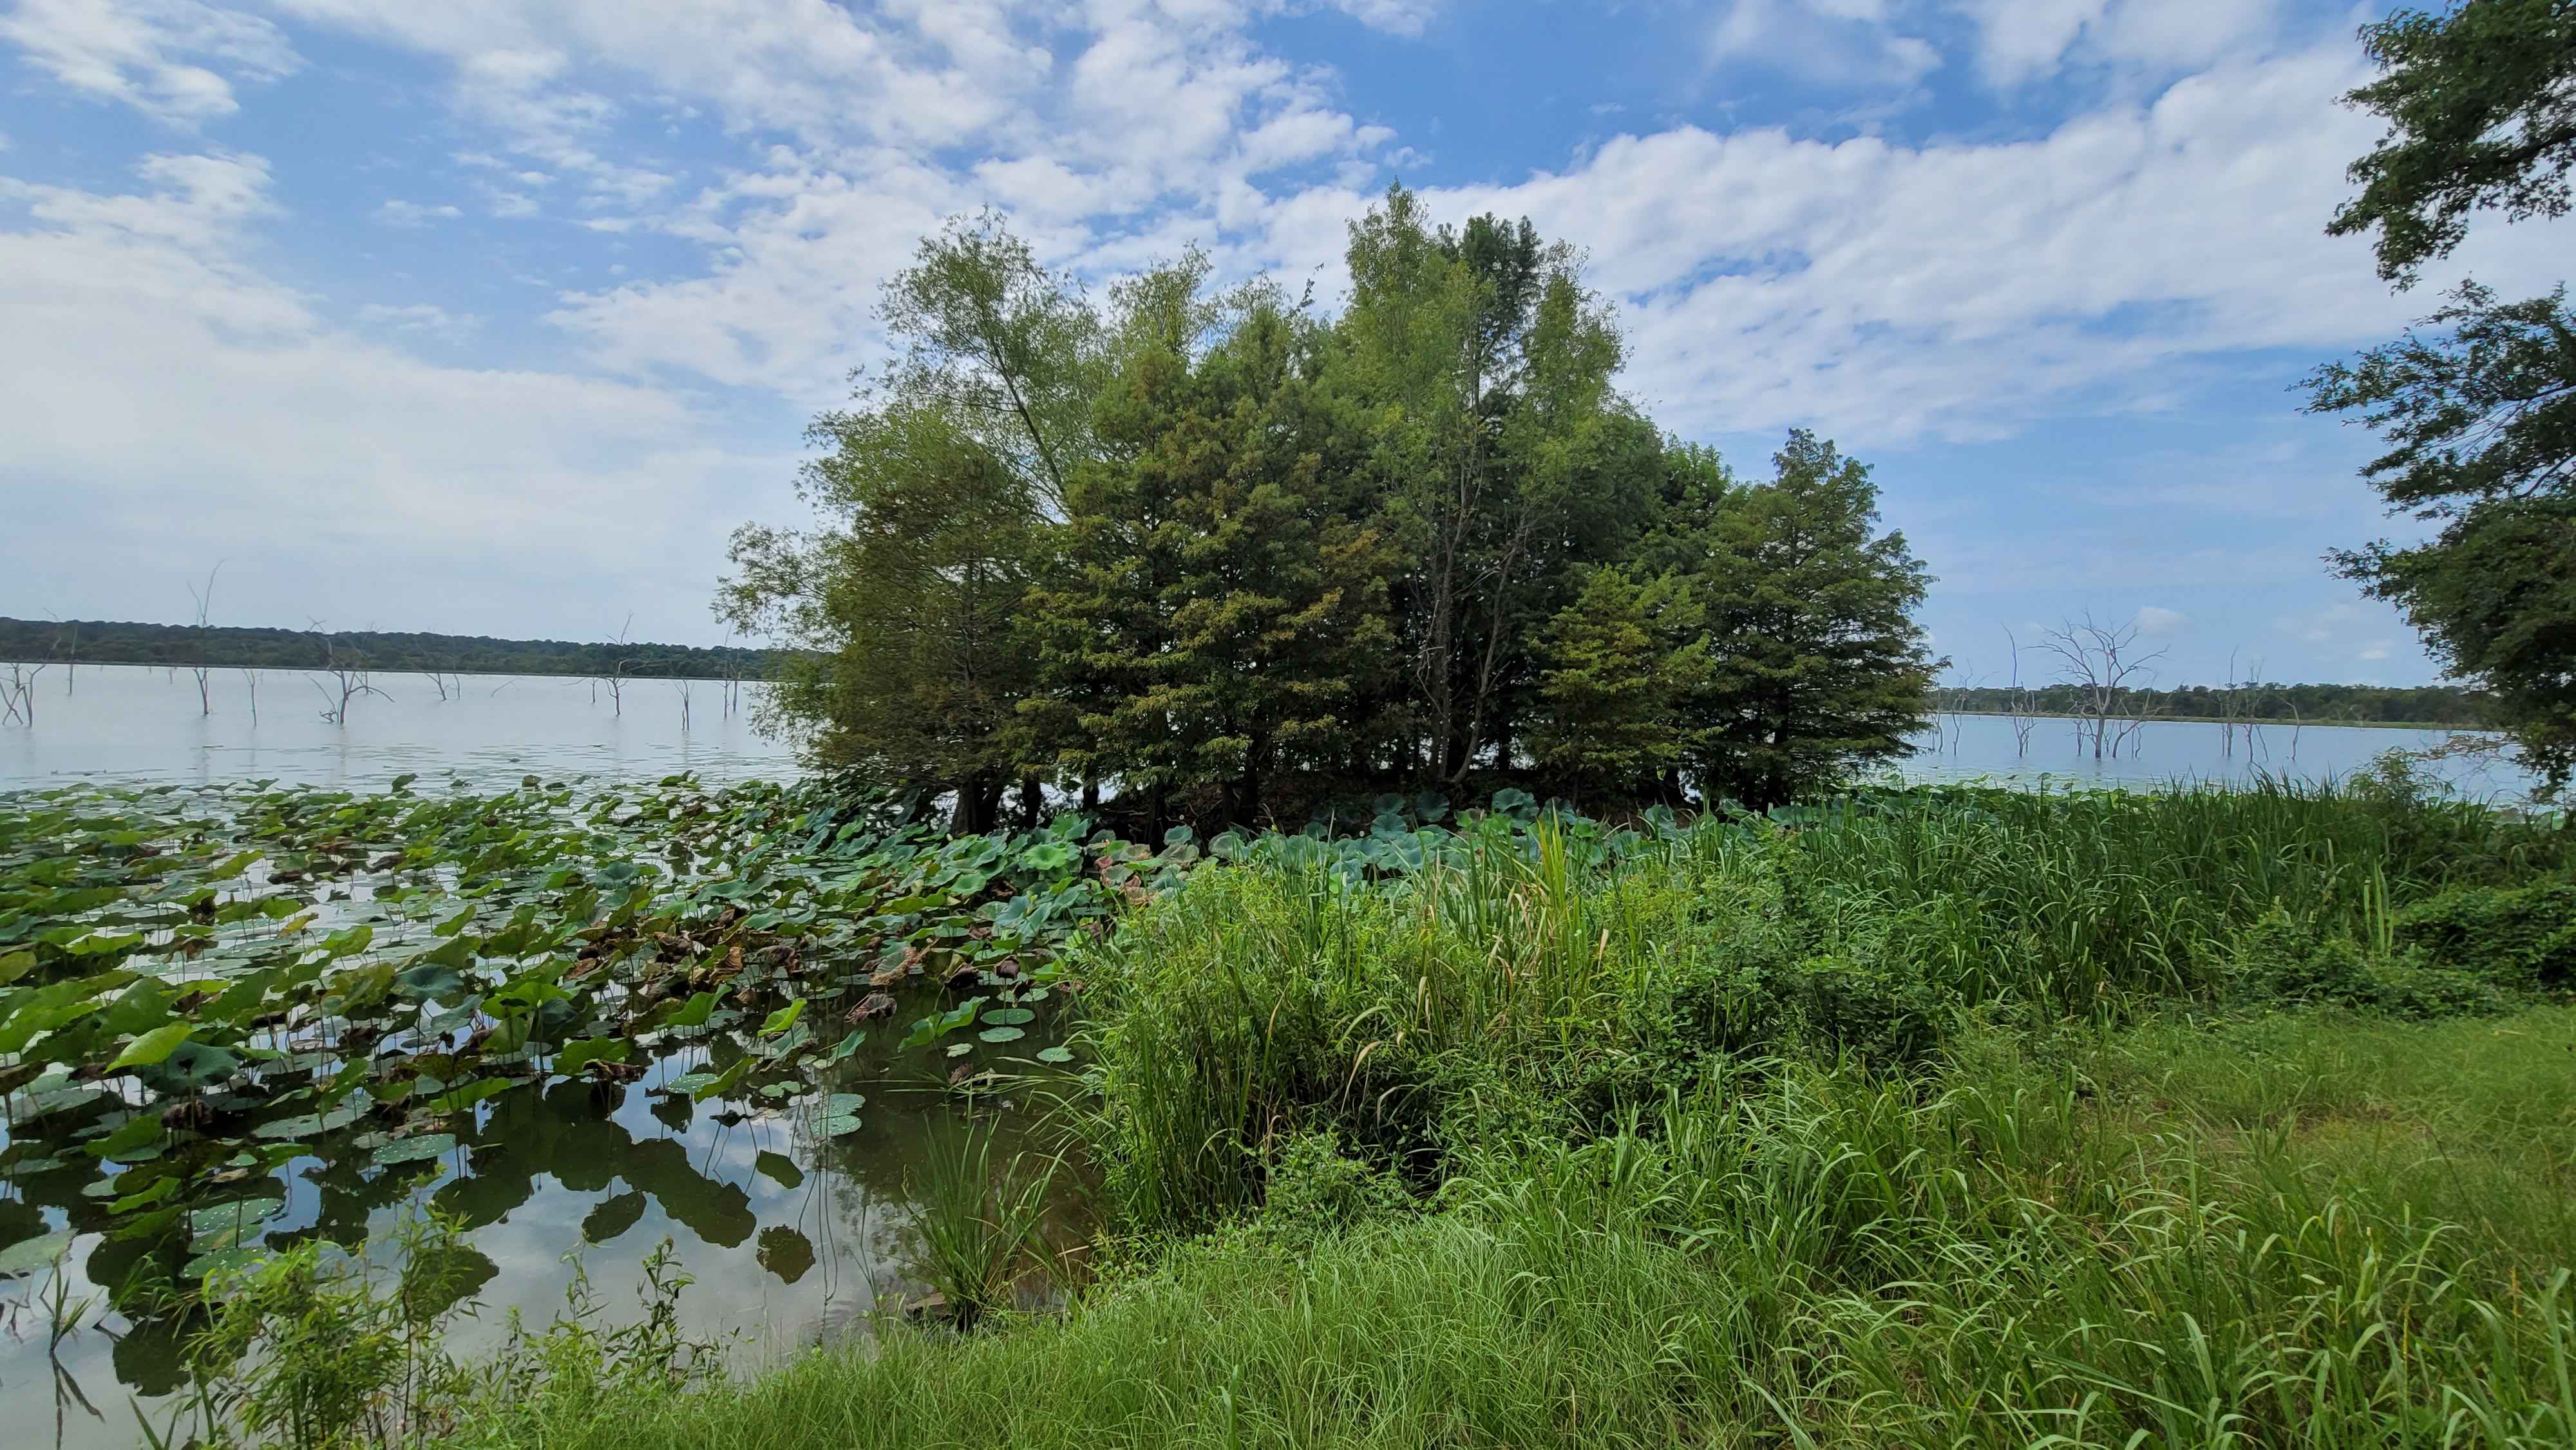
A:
{"points": [[1508, 459], [942, 488], [1620, 670], [2478, 401], [1816, 664], [1219, 619]]}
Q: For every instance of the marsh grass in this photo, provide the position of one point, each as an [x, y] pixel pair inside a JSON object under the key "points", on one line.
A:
{"points": [[1508, 985], [982, 1224], [2050, 1249], [1937, 1118]]}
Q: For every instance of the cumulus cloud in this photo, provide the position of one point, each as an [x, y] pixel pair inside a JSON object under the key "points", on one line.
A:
{"points": [[2021, 40], [2155, 621], [175, 60], [178, 405], [1845, 43]]}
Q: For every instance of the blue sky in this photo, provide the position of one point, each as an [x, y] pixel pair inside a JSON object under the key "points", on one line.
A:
{"points": [[496, 316]]}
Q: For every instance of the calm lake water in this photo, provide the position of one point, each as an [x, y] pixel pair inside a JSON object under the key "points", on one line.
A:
{"points": [[791, 1240], [1989, 747], [129, 722]]}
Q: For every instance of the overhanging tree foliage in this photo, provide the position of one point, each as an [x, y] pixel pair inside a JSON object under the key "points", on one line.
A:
{"points": [[2478, 402], [1228, 558]]}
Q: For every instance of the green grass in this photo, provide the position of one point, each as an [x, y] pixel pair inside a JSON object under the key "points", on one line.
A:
{"points": [[2086, 1250], [1937, 1118]]}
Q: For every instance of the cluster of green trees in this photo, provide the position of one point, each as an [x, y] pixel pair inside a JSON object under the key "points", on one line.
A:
{"points": [[2478, 403], [2309, 704], [101, 642], [1225, 556]]}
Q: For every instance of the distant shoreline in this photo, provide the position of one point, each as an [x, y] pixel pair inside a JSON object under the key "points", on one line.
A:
{"points": [[2266, 720], [392, 670]]}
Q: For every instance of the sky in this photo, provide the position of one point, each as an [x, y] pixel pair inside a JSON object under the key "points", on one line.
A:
{"points": [[497, 316]]}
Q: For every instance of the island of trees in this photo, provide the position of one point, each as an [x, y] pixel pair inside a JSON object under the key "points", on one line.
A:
{"points": [[1225, 557]]}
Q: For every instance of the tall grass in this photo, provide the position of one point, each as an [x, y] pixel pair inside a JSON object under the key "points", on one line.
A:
{"points": [[1935, 1118], [1507, 984], [1798, 1256]]}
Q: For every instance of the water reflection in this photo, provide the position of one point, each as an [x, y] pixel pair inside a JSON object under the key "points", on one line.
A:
{"points": [[791, 1239]]}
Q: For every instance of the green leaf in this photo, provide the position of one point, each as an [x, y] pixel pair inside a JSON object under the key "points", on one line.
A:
{"points": [[782, 1019], [16, 965], [578, 1055], [1055, 1054], [779, 1168], [696, 1013], [725, 1081], [152, 1047], [309, 1125], [417, 1149], [1002, 1034], [458, 1100], [140, 1131], [848, 1045], [839, 1103], [26, 1256], [840, 1125], [232, 1225]]}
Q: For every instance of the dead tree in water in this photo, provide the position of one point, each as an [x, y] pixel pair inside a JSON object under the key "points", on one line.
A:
{"points": [[2020, 706], [349, 678], [2102, 663], [205, 602], [18, 695], [615, 679]]}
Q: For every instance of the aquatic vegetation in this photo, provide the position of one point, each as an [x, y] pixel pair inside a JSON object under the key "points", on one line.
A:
{"points": [[203, 992]]}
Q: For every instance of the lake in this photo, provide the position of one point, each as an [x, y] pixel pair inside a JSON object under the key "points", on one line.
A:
{"points": [[131, 722], [793, 1236]]}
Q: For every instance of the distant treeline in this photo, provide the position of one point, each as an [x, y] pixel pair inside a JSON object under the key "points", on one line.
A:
{"points": [[2311, 704], [101, 643]]}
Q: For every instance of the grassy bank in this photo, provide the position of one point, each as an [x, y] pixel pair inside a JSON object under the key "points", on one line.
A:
{"points": [[2179, 1236], [1933, 1117]]}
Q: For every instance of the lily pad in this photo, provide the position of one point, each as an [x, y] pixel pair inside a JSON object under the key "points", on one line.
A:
{"points": [[415, 1149], [309, 1125], [1002, 1034], [1055, 1054], [231, 1225], [26, 1256]]}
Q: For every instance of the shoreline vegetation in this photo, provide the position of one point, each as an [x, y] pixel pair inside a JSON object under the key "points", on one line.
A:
{"points": [[166, 646], [391, 652], [1909, 1116]]}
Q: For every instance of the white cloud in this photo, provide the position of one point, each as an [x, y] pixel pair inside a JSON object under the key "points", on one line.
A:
{"points": [[1832, 42], [176, 405], [2155, 621], [175, 60], [400, 213], [1395, 17], [422, 318], [2375, 652], [2019, 40]]}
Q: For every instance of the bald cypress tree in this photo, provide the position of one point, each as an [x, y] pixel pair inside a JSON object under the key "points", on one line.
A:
{"points": [[1815, 663]]}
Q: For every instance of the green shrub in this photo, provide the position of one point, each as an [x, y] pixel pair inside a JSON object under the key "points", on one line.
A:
{"points": [[2286, 964], [2519, 937], [1312, 1187]]}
